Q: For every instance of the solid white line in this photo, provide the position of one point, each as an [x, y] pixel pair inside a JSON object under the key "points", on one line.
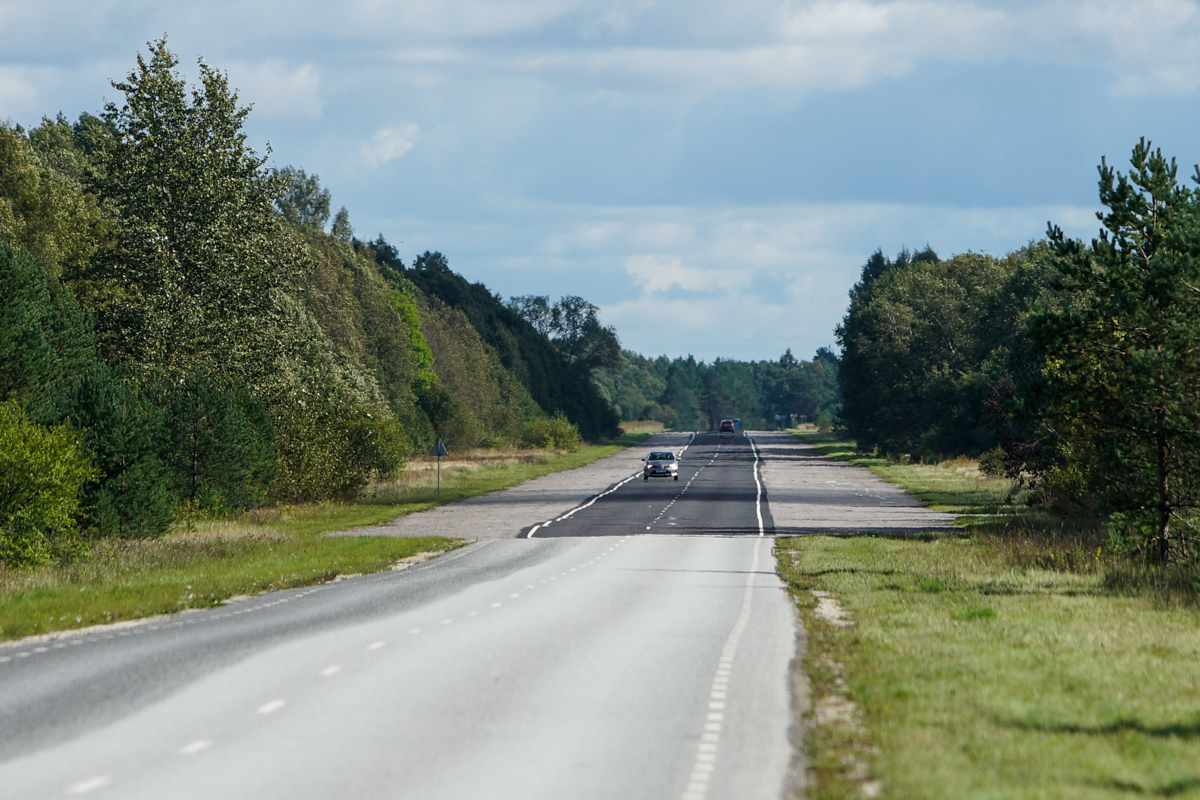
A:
{"points": [[757, 486]]}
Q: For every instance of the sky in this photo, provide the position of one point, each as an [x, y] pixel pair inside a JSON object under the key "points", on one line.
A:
{"points": [[712, 175]]}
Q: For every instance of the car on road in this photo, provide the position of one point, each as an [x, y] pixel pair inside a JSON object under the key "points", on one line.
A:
{"points": [[661, 464], [727, 426]]}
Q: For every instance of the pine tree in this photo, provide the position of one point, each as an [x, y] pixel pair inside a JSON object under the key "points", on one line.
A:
{"points": [[1123, 368]]}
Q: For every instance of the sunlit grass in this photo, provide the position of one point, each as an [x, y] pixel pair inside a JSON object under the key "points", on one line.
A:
{"points": [[976, 678], [1000, 660], [140, 578]]}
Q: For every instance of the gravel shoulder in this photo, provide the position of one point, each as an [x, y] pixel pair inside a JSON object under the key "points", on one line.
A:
{"points": [[811, 494], [505, 514]]}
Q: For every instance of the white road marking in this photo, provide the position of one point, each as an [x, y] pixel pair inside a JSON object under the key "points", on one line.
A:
{"points": [[91, 784], [448, 621], [414, 631], [332, 669], [197, 746], [758, 489], [706, 752], [271, 706], [375, 645], [497, 604], [592, 502]]}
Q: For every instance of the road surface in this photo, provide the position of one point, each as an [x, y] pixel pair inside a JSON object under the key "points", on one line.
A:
{"points": [[628, 641]]}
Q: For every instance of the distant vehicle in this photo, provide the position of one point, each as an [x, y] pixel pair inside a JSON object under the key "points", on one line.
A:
{"points": [[727, 426], [737, 424], [661, 464]]}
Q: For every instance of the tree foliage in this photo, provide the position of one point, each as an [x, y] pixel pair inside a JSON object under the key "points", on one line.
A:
{"points": [[926, 341], [197, 263], [573, 325], [688, 394], [1123, 368]]}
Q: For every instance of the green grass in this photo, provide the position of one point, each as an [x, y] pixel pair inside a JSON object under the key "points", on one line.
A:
{"points": [[997, 661], [130, 580], [206, 561]]}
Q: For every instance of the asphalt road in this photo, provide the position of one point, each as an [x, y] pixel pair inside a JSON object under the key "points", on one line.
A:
{"points": [[602, 655]]}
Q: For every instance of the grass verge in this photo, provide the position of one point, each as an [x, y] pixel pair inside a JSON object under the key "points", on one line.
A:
{"points": [[203, 563], [981, 663]]}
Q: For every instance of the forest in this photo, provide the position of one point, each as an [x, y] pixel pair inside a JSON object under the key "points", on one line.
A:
{"points": [[1070, 367], [187, 330], [184, 329]]}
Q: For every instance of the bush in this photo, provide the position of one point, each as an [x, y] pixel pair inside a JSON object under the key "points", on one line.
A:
{"points": [[42, 474], [329, 450], [551, 433]]}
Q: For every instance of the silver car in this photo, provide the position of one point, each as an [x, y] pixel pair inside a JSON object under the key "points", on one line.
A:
{"points": [[661, 464]]}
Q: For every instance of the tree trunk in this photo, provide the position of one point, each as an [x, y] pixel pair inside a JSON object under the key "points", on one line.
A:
{"points": [[1164, 501]]}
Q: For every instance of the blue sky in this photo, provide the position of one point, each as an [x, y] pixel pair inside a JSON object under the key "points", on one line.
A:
{"points": [[711, 174]]}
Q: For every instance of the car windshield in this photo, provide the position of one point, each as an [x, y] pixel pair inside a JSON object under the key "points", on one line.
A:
{"points": [[661, 456]]}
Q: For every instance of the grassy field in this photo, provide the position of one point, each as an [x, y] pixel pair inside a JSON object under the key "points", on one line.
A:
{"points": [[204, 562], [996, 661]]}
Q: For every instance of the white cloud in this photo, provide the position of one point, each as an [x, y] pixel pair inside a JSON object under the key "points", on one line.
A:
{"points": [[277, 90], [1146, 46], [747, 282], [660, 272], [389, 143]]}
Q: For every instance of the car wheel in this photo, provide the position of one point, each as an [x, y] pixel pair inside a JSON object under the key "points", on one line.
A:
{"points": [[676, 477], [645, 477]]}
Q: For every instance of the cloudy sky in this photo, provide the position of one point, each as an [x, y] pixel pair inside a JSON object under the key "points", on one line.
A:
{"points": [[711, 174]]}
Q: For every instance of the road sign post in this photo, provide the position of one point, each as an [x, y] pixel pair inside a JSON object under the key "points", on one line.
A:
{"points": [[439, 450]]}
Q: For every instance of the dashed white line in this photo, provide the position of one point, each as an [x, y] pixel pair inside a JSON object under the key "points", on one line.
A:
{"points": [[88, 785], [271, 706], [705, 762], [198, 746], [332, 669], [375, 645]]}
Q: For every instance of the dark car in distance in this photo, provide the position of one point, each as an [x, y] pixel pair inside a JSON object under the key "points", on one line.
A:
{"points": [[727, 426], [661, 464]]}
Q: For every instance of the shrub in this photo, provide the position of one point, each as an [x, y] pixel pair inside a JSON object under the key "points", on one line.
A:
{"points": [[42, 474], [329, 449], [551, 433]]}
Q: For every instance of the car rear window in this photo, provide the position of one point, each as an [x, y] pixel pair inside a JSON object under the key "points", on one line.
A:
{"points": [[661, 456]]}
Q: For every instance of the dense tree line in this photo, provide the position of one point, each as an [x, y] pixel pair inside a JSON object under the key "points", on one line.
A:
{"points": [[1071, 364], [687, 394], [179, 331]]}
